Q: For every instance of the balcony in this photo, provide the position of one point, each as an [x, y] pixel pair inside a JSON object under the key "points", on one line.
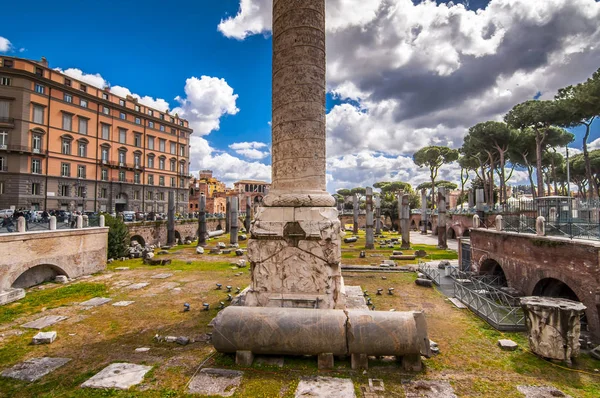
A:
{"points": [[7, 122], [23, 149]]}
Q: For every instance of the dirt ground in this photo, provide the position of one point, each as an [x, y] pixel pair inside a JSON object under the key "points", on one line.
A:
{"points": [[93, 338]]}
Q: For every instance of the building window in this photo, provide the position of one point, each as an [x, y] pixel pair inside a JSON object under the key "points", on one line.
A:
{"points": [[122, 136], [137, 140], [3, 165], [121, 176], [138, 121], [67, 122], [38, 114], [173, 182], [105, 131], [173, 165], [80, 171], [136, 195], [104, 155], [173, 131], [68, 98], [40, 89], [105, 110], [150, 179], [1, 187], [4, 109], [4, 81], [83, 87], [161, 196], [181, 150], [182, 124], [151, 143], [161, 181], [122, 102], [67, 82], [137, 108], [122, 158], [149, 195], [83, 125], [161, 127], [161, 145], [136, 159], [82, 149], [123, 116], [65, 169], [150, 161], [103, 193], [136, 178], [150, 112], [161, 163], [65, 190], [151, 124], [182, 168], [173, 148], [66, 146], [8, 63], [3, 139], [39, 71], [104, 175], [81, 191], [36, 166], [83, 103], [105, 96]]}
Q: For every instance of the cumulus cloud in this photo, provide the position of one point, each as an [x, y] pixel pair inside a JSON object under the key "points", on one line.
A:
{"points": [[207, 100], [5, 45], [421, 74], [250, 150], [156, 103], [93, 79]]}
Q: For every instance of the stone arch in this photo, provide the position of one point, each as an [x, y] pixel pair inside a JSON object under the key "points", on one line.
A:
{"points": [[139, 239], [466, 233], [451, 233], [429, 226], [413, 225], [177, 236], [491, 267], [32, 276]]}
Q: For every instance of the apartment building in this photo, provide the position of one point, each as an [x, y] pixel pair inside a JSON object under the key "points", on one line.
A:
{"points": [[254, 189], [212, 189], [65, 144]]}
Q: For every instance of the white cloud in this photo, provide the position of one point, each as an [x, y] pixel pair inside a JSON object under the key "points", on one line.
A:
{"points": [[5, 45], [411, 75], [593, 145], [207, 100], [250, 150], [95, 80], [157, 103]]}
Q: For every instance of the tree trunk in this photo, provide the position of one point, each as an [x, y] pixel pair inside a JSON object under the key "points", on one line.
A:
{"points": [[586, 158], [554, 176], [502, 177], [491, 179], [538, 163]]}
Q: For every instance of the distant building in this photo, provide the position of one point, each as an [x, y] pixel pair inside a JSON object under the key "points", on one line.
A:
{"points": [[214, 190], [256, 190]]}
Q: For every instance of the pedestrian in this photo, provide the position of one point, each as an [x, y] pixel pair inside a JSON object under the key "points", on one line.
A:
{"points": [[8, 223]]}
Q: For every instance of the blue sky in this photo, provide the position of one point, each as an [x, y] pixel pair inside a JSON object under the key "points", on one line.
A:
{"points": [[460, 68]]}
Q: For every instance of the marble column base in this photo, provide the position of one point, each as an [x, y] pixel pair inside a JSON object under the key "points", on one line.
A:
{"points": [[295, 255]]}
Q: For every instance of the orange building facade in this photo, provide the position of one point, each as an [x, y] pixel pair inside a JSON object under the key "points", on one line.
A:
{"points": [[65, 144]]}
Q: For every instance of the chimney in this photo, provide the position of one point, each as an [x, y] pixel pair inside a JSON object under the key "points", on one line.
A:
{"points": [[44, 62]]}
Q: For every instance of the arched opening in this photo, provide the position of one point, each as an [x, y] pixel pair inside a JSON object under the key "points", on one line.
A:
{"points": [[219, 227], [550, 287], [36, 275], [138, 239], [413, 225], [466, 233], [178, 237], [450, 233], [493, 269], [429, 227]]}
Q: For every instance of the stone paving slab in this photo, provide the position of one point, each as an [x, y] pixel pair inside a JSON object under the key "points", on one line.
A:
{"points": [[221, 382], [541, 392], [123, 303], [44, 322], [118, 375], [429, 389], [355, 298], [162, 276], [457, 303], [95, 302], [325, 387], [34, 369], [137, 286]]}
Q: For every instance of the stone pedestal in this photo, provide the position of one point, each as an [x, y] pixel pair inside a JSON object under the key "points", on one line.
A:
{"points": [[370, 240], [171, 219], [424, 211], [405, 221], [234, 227], [553, 326], [295, 257], [377, 216], [355, 214], [441, 228], [202, 230]]}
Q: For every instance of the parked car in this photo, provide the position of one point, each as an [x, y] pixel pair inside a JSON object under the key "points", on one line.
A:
{"points": [[6, 213], [128, 216]]}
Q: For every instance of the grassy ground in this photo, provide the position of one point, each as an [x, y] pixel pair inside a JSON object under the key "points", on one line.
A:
{"points": [[469, 359]]}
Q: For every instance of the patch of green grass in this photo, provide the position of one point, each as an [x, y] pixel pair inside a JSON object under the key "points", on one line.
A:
{"points": [[50, 298]]}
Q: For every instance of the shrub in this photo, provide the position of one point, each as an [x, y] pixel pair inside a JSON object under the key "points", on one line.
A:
{"points": [[118, 237]]}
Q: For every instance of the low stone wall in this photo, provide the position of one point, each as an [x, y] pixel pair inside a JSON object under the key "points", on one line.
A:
{"points": [[155, 232], [30, 258]]}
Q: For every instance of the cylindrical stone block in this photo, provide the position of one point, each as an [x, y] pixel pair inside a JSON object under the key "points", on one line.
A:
{"points": [[53, 222], [79, 222], [21, 225], [86, 221], [202, 221], [234, 227], [540, 226], [499, 225], [280, 331], [370, 240]]}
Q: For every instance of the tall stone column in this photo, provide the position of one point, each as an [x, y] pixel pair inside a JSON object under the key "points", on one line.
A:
{"points": [[370, 244], [377, 215], [248, 214], [355, 210], [171, 219], [227, 214], [480, 200], [234, 226], [405, 222], [399, 196], [424, 211], [202, 233], [441, 197], [294, 249], [470, 195]]}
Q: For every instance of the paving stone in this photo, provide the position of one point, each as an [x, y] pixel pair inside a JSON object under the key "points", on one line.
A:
{"points": [[429, 389], [137, 286], [162, 276], [61, 279], [269, 360], [95, 302], [541, 392], [142, 349], [44, 322], [507, 345], [123, 303], [221, 382], [118, 375], [325, 387], [121, 268], [35, 368], [44, 338], [457, 303]]}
